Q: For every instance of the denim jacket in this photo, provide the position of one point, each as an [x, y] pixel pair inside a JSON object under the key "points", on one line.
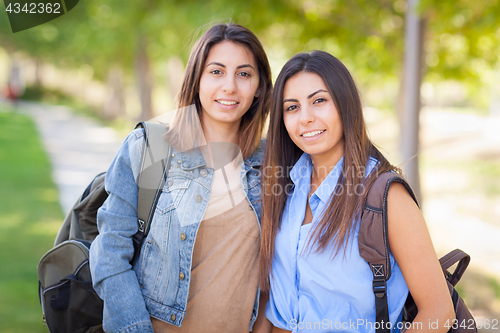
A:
{"points": [[157, 284]]}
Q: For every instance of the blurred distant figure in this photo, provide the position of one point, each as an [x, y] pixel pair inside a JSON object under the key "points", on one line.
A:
{"points": [[14, 85]]}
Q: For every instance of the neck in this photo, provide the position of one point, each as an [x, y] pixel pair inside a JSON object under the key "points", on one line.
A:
{"points": [[217, 132], [322, 166], [221, 132]]}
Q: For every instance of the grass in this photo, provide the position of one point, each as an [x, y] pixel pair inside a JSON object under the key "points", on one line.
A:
{"points": [[30, 216], [481, 293]]}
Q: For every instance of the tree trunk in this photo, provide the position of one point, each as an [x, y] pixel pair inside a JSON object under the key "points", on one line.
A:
{"points": [[174, 76], [114, 105], [144, 80], [38, 73], [413, 68]]}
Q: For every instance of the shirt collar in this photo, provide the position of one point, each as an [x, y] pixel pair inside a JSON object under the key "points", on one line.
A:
{"points": [[327, 187], [301, 169]]}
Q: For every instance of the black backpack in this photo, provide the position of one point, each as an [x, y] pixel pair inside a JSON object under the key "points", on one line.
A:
{"points": [[374, 248], [68, 300]]}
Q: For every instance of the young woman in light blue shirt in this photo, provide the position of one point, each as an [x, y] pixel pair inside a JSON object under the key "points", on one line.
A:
{"points": [[317, 157]]}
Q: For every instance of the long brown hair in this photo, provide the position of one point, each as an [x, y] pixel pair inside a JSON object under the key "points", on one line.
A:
{"points": [[336, 222], [253, 120]]}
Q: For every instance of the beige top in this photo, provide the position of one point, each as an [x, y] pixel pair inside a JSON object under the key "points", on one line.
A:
{"points": [[225, 192], [224, 274]]}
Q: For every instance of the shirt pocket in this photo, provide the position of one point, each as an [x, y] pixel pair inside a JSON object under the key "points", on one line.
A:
{"points": [[172, 193]]}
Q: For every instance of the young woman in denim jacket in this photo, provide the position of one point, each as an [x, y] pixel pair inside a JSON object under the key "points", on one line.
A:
{"points": [[198, 267], [310, 260]]}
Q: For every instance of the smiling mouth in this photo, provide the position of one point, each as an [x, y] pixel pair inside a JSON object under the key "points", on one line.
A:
{"points": [[310, 134], [226, 102]]}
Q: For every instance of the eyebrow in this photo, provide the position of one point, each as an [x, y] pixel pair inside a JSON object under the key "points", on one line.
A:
{"points": [[311, 95], [317, 91], [224, 66]]}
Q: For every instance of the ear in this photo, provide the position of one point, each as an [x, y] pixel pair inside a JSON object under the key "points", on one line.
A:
{"points": [[257, 94]]}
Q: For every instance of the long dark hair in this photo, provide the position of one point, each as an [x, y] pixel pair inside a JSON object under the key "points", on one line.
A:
{"points": [[253, 120], [336, 222]]}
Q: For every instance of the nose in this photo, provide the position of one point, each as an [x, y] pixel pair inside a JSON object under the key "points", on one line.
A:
{"points": [[306, 115], [229, 85]]}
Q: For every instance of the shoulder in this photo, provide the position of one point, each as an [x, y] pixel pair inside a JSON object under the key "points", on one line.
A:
{"points": [[136, 134], [128, 156], [258, 155], [133, 145]]}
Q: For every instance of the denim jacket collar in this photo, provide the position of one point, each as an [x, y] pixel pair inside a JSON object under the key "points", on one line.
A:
{"points": [[257, 157]]}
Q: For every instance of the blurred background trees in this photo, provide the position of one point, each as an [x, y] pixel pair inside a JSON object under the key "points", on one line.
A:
{"points": [[125, 59], [129, 45]]}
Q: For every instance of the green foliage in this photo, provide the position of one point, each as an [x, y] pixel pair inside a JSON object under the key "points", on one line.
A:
{"points": [[29, 219], [42, 94], [461, 38]]}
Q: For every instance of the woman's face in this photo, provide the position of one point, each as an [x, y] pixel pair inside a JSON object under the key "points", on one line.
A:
{"points": [[228, 84], [311, 118]]}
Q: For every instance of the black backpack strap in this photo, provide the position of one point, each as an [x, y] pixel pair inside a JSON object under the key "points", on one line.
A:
{"points": [[373, 242], [155, 162]]}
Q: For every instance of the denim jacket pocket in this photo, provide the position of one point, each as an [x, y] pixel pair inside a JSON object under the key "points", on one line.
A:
{"points": [[174, 189], [253, 178]]}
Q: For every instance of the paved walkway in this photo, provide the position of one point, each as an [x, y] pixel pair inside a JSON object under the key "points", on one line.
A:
{"points": [[79, 148]]}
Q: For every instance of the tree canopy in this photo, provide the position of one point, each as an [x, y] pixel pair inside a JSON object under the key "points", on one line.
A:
{"points": [[461, 41]]}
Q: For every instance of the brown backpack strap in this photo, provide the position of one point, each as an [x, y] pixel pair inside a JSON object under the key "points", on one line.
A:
{"points": [[373, 240], [450, 259]]}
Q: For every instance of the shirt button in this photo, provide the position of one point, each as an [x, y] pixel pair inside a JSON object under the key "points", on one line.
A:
{"points": [[181, 276], [179, 161], [170, 183], [203, 172], [172, 317], [199, 198], [183, 236]]}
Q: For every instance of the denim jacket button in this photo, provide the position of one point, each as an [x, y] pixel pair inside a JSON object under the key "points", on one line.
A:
{"points": [[203, 172], [199, 198], [181, 276], [183, 236], [170, 183], [172, 317]]}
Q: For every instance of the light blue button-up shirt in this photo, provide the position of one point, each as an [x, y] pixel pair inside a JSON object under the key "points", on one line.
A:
{"points": [[313, 292]]}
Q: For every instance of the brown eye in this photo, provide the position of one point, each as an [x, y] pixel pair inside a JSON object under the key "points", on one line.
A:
{"points": [[319, 100]]}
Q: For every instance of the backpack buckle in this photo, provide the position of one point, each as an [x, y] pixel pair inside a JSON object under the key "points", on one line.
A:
{"points": [[141, 225], [379, 288]]}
